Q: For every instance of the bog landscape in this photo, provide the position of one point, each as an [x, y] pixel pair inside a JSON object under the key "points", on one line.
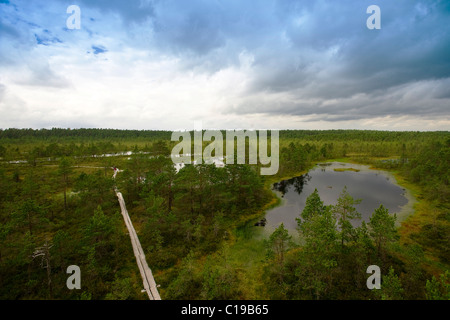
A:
{"points": [[342, 200], [238, 151]]}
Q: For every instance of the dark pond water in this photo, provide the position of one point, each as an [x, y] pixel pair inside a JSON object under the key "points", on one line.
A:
{"points": [[373, 187]]}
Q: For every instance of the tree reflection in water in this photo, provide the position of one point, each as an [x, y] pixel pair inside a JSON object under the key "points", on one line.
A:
{"points": [[297, 182]]}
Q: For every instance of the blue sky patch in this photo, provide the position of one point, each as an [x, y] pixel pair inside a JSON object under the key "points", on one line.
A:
{"points": [[99, 49]]}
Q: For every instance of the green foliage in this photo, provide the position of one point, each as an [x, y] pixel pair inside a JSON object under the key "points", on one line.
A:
{"points": [[382, 228], [279, 243], [85, 296], [27, 215], [220, 281], [414, 277], [188, 283], [99, 228], [64, 170], [322, 268], [215, 279], [121, 289], [344, 211], [318, 257], [439, 289], [431, 169], [65, 167], [93, 190], [391, 287], [60, 248], [2, 151], [314, 207]]}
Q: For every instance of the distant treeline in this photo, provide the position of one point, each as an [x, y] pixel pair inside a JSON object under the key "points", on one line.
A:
{"points": [[315, 135], [364, 135], [90, 133]]}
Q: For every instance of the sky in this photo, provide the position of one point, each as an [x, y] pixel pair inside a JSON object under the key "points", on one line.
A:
{"points": [[231, 64]]}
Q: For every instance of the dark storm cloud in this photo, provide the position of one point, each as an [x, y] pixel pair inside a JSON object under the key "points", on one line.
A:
{"points": [[333, 57], [421, 99], [413, 44]]}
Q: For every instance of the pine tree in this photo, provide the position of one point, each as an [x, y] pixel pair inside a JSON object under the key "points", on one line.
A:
{"points": [[382, 229], [314, 206], [345, 211], [279, 242], [391, 287], [319, 254]]}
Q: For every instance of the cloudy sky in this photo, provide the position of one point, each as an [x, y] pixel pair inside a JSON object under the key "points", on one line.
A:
{"points": [[265, 64]]}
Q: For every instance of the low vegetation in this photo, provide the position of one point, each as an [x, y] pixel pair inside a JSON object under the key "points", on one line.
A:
{"points": [[196, 226]]}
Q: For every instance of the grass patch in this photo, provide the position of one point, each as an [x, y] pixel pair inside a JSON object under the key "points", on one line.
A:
{"points": [[346, 169], [248, 255]]}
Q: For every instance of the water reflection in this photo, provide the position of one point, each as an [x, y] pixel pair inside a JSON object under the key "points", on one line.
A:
{"points": [[298, 183]]}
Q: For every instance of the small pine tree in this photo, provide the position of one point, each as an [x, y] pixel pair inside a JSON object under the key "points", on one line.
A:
{"points": [[382, 229]]}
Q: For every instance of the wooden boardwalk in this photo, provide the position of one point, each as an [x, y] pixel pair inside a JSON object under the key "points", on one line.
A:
{"points": [[146, 273]]}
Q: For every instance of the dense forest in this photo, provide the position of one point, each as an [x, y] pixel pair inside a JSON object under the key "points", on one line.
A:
{"points": [[58, 208]]}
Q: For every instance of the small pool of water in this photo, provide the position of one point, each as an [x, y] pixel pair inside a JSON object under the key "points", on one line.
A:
{"points": [[373, 187]]}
